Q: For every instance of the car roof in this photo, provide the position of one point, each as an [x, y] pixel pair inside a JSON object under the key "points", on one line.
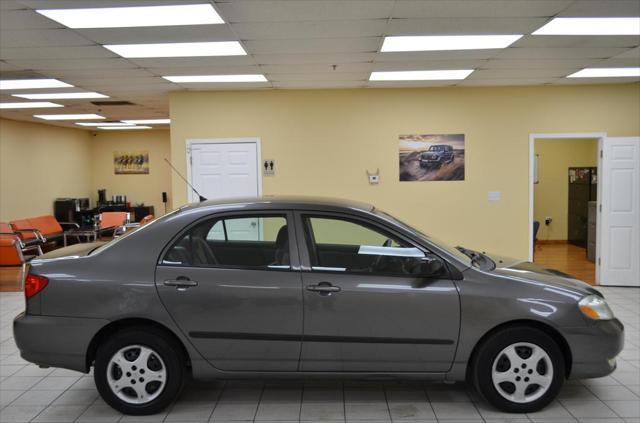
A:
{"points": [[276, 202]]}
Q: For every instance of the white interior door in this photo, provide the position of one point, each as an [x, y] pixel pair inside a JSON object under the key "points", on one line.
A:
{"points": [[222, 170], [620, 220]]}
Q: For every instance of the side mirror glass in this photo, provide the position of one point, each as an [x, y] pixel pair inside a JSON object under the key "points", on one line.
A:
{"points": [[431, 266]]}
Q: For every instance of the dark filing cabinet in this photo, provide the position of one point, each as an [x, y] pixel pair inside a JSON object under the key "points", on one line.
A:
{"points": [[583, 187]]}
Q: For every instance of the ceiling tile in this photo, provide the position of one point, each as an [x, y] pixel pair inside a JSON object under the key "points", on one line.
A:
{"points": [[590, 8], [317, 68], [302, 10], [113, 73], [429, 65], [478, 8], [437, 55], [159, 34], [323, 76], [554, 41], [69, 4], [310, 29], [451, 25], [10, 5], [497, 82], [25, 19], [299, 85], [558, 53], [41, 38], [206, 70], [519, 73], [73, 64], [537, 63], [179, 62], [332, 58], [314, 45], [633, 53], [38, 53]]}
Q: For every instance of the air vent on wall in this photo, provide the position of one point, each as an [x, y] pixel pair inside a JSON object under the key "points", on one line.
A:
{"points": [[112, 103]]}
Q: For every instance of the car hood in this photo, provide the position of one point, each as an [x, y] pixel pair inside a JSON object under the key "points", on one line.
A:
{"points": [[549, 278], [77, 250]]}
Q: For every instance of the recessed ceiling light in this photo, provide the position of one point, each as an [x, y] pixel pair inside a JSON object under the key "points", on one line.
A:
{"points": [[425, 75], [25, 105], [26, 84], [148, 121], [123, 17], [123, 127], [216, 78], [591, 26], [214, 48], [606, 73], [86, 116], [60, 96], [447, 42], [103, 124]]}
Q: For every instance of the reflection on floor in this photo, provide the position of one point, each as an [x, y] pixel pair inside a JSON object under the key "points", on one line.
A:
{"points": [[10, 279], [566, 258]]}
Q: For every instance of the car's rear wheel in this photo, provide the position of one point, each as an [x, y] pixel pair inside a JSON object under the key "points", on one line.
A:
{"points": [[519, 369], [139, 371]]}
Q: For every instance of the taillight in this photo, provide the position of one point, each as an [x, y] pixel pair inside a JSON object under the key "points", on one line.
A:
{"points": [[34, 284]]}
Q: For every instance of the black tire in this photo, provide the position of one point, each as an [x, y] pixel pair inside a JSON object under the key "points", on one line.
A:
{"points": [[488, 351], [171, 356]]}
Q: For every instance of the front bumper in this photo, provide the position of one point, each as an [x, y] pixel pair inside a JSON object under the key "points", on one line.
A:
{"points": [[55, 341], [594, 348]]}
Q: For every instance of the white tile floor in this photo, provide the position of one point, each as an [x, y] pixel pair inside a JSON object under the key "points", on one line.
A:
{"points": [[31, 394]]}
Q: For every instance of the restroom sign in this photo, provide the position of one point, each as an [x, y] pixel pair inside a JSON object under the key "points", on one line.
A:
{"points": [[268, 167]]}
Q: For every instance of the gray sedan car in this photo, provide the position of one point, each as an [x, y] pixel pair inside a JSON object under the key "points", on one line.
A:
{"points": [[301, 288]]}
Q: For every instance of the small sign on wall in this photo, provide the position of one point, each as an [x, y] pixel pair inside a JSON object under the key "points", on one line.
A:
{"points": [[268, 167]]}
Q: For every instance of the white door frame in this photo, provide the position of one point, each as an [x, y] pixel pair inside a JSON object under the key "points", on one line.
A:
{"points": [[600, 136], [249, 140]]}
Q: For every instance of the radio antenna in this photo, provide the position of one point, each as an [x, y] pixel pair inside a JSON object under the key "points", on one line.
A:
{"points": [[201, 198]]}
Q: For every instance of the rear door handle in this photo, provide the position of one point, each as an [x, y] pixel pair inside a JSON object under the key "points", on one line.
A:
{"points": [[180, 282], [324, 288]]}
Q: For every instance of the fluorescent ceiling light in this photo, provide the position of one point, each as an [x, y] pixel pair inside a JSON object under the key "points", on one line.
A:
{"points": [[25, 105], [26, 84], [60, 96], [124, 127], [606, 73], [103, 124], [428, 75], [123, 17], [216, 78], [447, 42], [87, 116], [148, 121], [591, 26], [214, 48]]}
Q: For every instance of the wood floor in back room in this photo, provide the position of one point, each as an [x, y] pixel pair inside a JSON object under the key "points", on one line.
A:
{"points": [[566, 258]]}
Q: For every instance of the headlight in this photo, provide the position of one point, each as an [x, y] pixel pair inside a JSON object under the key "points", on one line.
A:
{"points": [[595, 307]]}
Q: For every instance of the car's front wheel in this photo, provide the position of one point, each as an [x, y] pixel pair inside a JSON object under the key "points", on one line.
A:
{"points": [[519, 369], [139, 371]]}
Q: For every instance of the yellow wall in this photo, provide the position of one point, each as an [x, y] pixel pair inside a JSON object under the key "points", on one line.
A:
{"points": [[324, 140], [145, 189], [39, 163], [551, 193]]}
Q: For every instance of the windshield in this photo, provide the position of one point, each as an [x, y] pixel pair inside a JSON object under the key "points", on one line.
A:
{"points": [[443, 245]]}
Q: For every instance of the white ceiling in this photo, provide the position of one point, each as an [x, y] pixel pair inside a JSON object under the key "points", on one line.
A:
{"points": [[298, 43]]}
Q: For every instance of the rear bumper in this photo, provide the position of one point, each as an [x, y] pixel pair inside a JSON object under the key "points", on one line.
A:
{"points": [[55, 341], [594, 348]]}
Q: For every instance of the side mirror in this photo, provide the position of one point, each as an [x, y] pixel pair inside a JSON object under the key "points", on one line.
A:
{"points": [[431, 266]]}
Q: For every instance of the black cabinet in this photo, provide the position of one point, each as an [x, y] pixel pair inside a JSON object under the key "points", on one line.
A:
{"points": [[582, 189]]}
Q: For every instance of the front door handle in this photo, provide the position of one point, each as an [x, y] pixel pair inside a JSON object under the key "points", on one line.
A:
{"points": [[324, 288], [180, 282]]}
